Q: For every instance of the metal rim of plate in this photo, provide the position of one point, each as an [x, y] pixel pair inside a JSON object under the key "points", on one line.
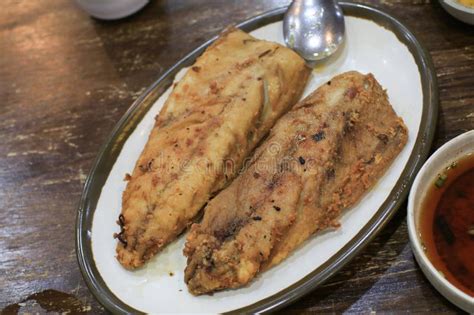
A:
{"points": [[111, 149]]}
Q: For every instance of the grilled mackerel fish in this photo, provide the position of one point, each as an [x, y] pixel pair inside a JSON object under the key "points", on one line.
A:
{"points": [[319, 159], [214, 117]]}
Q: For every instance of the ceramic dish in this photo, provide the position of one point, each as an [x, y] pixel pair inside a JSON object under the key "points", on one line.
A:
{"points": [[111, 9], [377, 43], [459, 11], [444, 156]]}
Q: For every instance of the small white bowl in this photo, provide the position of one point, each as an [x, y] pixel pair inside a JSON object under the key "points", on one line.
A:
{"points": [[111, 9], [459, 11], [443, 157]]}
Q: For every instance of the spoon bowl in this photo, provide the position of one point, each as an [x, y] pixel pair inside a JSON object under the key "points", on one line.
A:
{"points": [[314, 28]]}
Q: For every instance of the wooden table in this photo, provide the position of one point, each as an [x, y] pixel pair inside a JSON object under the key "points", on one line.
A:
{"points": [[66, 79]]}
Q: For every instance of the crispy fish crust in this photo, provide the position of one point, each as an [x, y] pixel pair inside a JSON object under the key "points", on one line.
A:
{"points": [[215, 116], [319, 159]]}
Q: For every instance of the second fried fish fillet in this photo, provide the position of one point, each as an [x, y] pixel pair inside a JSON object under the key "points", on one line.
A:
{"points": [[215, 116], [318, 160]]}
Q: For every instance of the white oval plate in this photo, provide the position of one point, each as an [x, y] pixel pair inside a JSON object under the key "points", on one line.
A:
{"points": [[403, 68]]}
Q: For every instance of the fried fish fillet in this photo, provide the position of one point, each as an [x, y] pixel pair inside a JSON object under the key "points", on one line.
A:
{"points": [[319, 159], [214, 117]]}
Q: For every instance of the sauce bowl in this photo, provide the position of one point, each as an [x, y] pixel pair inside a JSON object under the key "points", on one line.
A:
{"points": [[450, 152]]}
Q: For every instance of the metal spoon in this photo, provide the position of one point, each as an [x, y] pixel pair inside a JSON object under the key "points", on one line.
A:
{"points": [[314, 28]]}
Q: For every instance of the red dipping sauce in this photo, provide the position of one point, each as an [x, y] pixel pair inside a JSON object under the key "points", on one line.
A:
{"points": [[447, 224]]}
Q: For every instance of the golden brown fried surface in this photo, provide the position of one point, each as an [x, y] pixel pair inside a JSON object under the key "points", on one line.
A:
{"points": [[226, 102], [318, 160]]}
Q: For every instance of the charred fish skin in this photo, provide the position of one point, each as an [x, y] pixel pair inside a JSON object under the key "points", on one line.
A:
{"points": [[324, 155], [214, 117]]}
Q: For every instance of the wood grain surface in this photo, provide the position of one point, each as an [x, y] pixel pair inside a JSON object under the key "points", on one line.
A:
{"points": [[66, 79]]}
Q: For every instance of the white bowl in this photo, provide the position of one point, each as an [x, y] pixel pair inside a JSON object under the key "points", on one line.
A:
{"points": [[443, 157], [111, 9], [459, 11]]}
